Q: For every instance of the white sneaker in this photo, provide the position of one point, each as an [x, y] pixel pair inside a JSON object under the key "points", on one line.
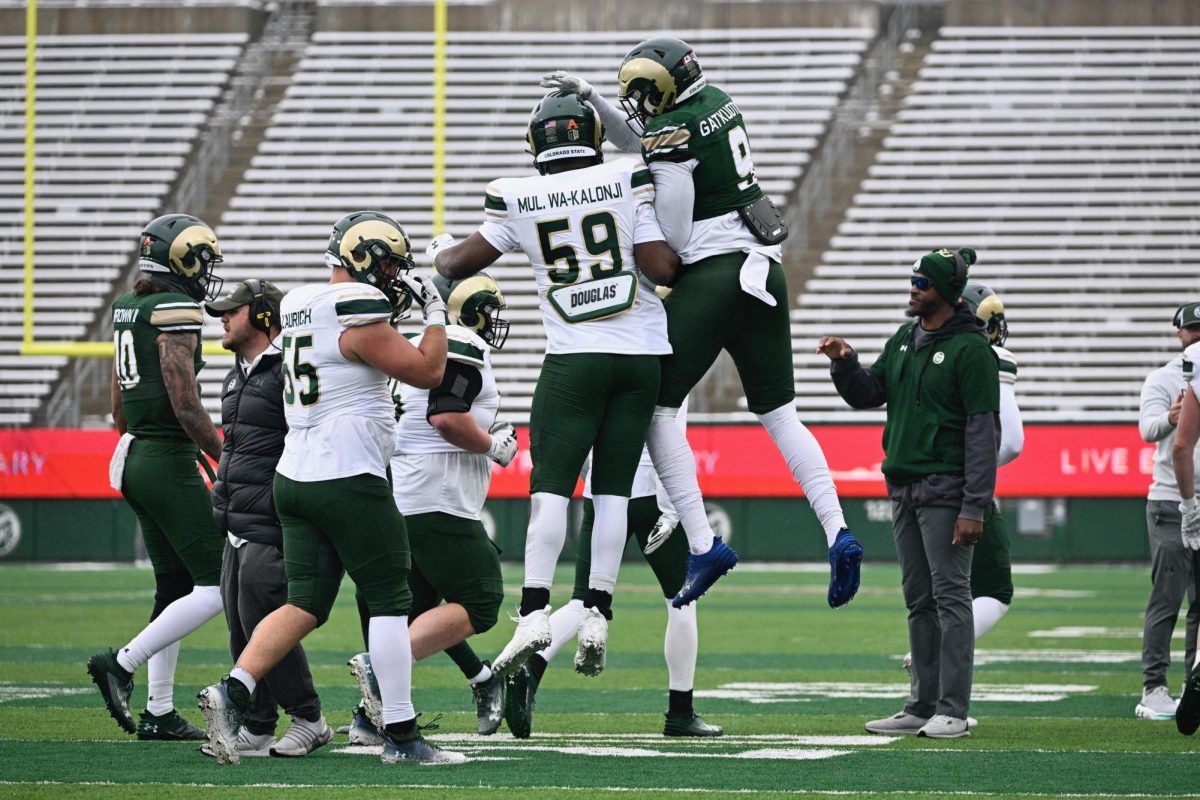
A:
{"points": [[250, 745], [902, 723], [593, 643], [941, 726], [302, 738], [532, 634], [1156, 704]]}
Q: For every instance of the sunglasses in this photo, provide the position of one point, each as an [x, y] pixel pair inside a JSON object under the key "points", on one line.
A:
{"points": [[921, 283]]}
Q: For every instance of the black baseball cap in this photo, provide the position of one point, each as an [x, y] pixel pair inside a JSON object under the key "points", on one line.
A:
{"points": [[243, 295], [1187, 315]]}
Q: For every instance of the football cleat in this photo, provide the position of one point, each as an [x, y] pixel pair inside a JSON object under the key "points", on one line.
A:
{"points": [[115, 684], [519, 692], [413, 748], [372, 700], [223, 720], [593, 643], [489, 704], [689, 725], [704, 570], [302, 738], [1187, 713], [169, 727], [845, 561], [361, 730], [532, 634]]}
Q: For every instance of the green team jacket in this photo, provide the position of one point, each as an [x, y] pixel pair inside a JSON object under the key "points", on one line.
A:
{"points": [[930, 392]]}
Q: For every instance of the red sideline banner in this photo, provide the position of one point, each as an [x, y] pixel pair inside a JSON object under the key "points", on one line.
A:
{"points": [[731, 461]]}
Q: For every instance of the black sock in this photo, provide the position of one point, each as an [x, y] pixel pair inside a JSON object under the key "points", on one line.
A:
{"points": [[465, 659], [679, 704], [238, 693], [537, 665], [533, 600], [401, 728], [599, 600]]}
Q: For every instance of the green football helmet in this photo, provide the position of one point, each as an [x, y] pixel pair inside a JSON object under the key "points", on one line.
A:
{"points": [[563, 125], [656, 76], [186, 250], [375, 250], [986, 304], [475, 303]]}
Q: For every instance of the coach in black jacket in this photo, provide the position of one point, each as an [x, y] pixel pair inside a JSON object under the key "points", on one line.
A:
{"points": [[253, 582]]}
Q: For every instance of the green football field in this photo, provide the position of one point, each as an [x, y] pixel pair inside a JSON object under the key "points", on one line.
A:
{"points": [[791, 682]]}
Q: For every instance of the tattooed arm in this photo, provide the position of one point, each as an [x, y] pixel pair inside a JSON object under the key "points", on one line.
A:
{"points": [[176, 353], [117, 411]]}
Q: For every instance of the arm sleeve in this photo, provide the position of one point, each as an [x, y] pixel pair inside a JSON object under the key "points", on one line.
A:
{"points": [[859, 387], [1153, 417], [981, 441], [617, 125], [674, 199], [460, 386], [1012, 432]]}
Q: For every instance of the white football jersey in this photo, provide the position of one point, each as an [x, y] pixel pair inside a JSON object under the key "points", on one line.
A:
{"points": [[339, 412], [428, 473], [1008, 364], [578, 229]]}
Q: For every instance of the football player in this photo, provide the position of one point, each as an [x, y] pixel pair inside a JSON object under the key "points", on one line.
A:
{"points": [[589, 231], [728, 235], [156, 407], [331, 488], [446, 440]]}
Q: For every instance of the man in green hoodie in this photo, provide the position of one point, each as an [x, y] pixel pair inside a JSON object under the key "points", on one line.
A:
{"points": [[940, 381]]}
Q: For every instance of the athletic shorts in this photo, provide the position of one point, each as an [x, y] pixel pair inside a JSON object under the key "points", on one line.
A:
{"points": [[454, 560]]}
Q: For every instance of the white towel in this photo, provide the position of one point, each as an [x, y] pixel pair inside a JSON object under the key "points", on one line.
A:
{"points": [[753, 276], [116, 466]]}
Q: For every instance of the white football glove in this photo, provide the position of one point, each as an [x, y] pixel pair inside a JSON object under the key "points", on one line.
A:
{"points": [[504, 443], [426, 296], [438, 244], [566, 82], [1189, 527], [661, 531]]}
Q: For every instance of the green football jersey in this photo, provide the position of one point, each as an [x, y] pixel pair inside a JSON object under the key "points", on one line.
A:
{"points": [[708, 128], [137, 322]]}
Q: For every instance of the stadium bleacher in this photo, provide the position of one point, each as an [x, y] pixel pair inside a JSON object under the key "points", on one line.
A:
{"points": [[1069, 158], [117, 117]]}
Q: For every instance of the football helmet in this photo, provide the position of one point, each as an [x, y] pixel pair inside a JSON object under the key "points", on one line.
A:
{"points": [[656, 76], [475, 303], [186, 250], [564, 126], [375, 250], [986, 304]]}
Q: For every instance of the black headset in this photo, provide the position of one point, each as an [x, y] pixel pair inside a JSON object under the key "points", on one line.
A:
{"points": [[261, 311]]}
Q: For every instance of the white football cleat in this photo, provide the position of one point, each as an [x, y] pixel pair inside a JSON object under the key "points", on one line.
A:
{"points": [[593, 643], [532, 634]]}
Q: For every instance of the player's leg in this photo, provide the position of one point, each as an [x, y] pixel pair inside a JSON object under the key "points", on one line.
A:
{"points": [[991, 574]]}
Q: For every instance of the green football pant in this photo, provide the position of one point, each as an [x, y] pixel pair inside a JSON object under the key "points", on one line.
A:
{"points": [[991, 566], [454, 560], [668, 562], [347, 525], [708, 312]]}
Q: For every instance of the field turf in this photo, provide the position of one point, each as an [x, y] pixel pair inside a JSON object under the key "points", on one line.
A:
{"points": [[790, 680]]}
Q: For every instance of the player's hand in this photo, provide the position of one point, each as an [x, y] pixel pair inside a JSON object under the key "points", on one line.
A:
{"points": [[566, 82], [661, 531], [1176, 408], [504, 443], [438, 244], [967, 531], [426, 296], [836, 349], [1189, 527]]}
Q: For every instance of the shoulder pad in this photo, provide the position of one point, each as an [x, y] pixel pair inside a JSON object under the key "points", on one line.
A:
{"points": [[493, 201], [361, 305], [172, 313], [464, 346], [1008, 364], [668, 142]]}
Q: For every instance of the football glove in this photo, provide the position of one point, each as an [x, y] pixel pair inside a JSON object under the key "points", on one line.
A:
{"points": [[426, 296], [566, 82], [504, 443], [661, 531], [1189, 527], [438, 244]]}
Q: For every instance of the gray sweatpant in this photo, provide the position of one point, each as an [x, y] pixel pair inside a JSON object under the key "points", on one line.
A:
{"points": [[1174, 573], [253, 584], [936, 579]]}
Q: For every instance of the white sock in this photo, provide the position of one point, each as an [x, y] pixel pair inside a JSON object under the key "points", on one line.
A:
{"points": [[244, 678], [484, 675], [988, 611], [160, 680], [680, 645], [545, 538], [676, 467], [807, 463], [564, 624], [609, 532], [175, 622], [391, 658]]}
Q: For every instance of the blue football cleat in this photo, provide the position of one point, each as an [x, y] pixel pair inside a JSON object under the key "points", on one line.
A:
{"points": [[845, 559], [704, 570]]}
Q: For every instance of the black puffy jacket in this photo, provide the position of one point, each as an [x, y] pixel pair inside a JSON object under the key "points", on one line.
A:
{"points": [[254, 424]]}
